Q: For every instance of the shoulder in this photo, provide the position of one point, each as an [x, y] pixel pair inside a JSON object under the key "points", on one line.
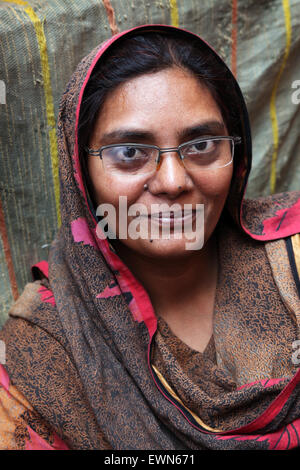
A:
{"points": [[33, 333], [35, 307], [272, 217], [41, 369]]}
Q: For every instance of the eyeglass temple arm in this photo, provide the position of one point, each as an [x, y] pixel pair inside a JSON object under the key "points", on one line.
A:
{"points": [[96, 153]]}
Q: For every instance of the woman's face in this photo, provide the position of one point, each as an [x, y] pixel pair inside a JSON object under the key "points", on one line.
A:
{"points": [[166, 109]]}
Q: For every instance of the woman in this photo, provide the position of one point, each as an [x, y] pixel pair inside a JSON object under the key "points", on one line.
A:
{"points": [[135, 341]]}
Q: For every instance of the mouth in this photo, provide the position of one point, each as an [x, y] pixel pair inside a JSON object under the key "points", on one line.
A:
{"points": [[173, 219]]}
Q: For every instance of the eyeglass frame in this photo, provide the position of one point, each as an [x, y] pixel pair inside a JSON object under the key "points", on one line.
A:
{"points": [[234, 139]]}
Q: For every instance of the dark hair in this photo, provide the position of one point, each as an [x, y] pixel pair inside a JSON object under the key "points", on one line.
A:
{"points": [[147, 53]]}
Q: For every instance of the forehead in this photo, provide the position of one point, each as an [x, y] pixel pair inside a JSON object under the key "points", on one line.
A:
{"points": [[161, 102]]}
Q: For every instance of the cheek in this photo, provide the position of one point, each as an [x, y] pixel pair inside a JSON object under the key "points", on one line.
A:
{"points": [[214, 191], [108, 189], [215, 186]]}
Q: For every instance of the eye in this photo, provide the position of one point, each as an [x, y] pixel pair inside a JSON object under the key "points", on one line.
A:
{"points": [[201, 147], [125, 152], [131, 157], [129, 152]]}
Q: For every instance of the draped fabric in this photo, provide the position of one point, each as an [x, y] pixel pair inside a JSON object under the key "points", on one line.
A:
{"points": [[101, 370]]}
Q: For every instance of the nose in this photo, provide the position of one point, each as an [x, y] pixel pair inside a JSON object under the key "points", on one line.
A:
{"points": [[171, 177]]}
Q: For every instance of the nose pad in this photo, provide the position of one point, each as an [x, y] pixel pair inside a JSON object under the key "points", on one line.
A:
{"points": [[170, 176], [174, 152]]}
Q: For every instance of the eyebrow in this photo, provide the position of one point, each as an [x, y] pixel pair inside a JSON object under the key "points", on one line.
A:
{"points": [[211, 128]]}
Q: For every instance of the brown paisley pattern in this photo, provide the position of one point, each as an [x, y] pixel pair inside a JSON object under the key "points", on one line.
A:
{"points": [[80, 341], [278, 258], [252, 340], [21, 427]]}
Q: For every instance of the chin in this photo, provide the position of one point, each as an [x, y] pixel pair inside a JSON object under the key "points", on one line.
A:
{"points": [[164, 248]]}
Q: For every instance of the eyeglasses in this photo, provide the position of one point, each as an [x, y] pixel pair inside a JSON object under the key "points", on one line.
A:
{"points": [[206, 153]]}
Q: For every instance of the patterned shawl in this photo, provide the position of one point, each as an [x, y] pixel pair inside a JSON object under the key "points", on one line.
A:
{"points": [[85, 347]]}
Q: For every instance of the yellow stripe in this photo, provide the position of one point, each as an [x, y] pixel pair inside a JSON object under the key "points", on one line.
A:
{"points": [[173, 394], [18, 2], [174, 13], [296, 248], [288, 28], [41, 38]]}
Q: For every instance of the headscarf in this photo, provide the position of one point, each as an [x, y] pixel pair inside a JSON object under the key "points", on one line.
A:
{"points": [[83, 349]]}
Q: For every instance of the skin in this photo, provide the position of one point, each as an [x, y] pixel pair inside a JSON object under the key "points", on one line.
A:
{"points": [[181, 283]]}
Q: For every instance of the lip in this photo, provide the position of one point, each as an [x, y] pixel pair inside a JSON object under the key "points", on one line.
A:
{"points": [[171, 219]]}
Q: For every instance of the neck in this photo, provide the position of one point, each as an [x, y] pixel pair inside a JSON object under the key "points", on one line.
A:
{"points": [[169, 281]]}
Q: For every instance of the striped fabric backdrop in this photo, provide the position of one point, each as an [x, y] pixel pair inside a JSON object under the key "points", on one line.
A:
{"points": [[41, 42]]}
